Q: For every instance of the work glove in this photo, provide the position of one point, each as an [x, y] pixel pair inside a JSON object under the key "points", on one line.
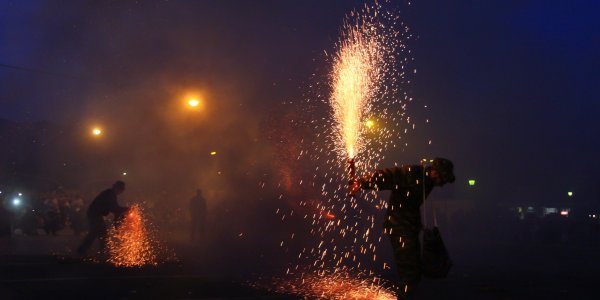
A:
{"points": [[353, 187]]}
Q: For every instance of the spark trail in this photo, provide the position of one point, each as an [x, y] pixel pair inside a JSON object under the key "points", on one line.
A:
{"points": [[364, 75], [356, 73]]}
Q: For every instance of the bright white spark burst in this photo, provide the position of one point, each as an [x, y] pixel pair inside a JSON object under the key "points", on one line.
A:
{"points": [[367, 82], [357, 71], [365, 75]]}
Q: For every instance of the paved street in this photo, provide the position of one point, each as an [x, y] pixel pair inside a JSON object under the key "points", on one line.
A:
{"points": [[481, 272]]}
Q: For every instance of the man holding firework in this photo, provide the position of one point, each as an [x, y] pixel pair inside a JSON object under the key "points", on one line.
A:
{"points": [[409, 186], [103, 204]]}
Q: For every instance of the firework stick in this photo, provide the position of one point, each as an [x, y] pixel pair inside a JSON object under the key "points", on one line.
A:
{"points": [[353, 183], [351, 170]]}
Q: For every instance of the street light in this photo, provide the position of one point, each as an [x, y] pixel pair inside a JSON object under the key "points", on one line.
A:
{"points": [[96, 131], [471, 182], [193, 102], [570, 194], [370, 124]]}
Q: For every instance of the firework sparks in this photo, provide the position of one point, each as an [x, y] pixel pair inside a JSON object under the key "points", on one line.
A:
{"points": [[340, 286], [363, 73], [129, 244], [355, 75], [369, 72]]}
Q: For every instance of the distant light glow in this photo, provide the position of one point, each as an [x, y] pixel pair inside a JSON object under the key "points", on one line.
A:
{"points": [[16, 202], [370, 124], [124, 173], [564, 212], [193, 102], [471, 182], [570, 194], [96, 131], [20, 194], [213, 153]]}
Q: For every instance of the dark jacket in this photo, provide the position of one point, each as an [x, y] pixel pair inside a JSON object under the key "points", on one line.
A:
{"points": [[406, 184], [105, 203], [198, 206]]}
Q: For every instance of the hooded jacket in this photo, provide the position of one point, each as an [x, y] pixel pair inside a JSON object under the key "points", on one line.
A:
{"points": [[407, 188]]}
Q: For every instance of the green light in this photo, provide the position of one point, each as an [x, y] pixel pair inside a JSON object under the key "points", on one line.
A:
{"points": [[570, 194], [471, 182]]}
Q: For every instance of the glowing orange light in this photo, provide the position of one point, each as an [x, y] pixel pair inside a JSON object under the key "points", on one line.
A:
{"points": [[96, 131], [193, 102], [213, 153]]}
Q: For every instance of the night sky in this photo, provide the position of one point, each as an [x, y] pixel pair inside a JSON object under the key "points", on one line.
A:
{"points": [[512, 87]]}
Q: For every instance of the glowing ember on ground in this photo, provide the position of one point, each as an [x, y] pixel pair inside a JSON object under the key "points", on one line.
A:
{"points": [[337, 286], [130, 244]]}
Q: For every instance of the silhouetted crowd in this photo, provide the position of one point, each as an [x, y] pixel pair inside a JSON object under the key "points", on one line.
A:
{"points": [[47, 212]]}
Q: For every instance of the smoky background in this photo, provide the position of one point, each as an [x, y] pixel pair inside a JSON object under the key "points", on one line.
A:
{"points": [[497, 108]]}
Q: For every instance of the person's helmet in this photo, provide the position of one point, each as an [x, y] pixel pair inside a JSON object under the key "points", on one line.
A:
{"points": [[119, 185], [445, 168]]}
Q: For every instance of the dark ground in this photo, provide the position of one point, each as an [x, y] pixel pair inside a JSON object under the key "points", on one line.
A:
{"points": [[482, 271], [30, 270], [518, 271]]}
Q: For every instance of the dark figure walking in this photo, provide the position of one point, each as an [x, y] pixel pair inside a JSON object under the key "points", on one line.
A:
{"points": [[103, 204], [198, 214], [403, 217]]}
